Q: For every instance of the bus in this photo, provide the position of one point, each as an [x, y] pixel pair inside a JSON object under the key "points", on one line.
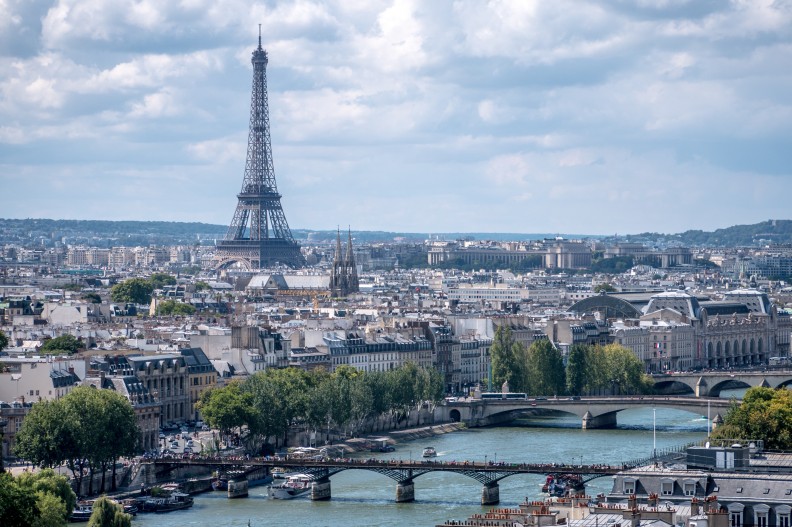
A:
{"points": [[499, 395]]}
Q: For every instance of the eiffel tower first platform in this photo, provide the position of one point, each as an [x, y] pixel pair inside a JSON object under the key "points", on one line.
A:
{"points": [[259, 235]]}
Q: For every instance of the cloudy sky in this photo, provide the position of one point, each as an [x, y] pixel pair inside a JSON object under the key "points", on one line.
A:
{"points": [[597, 117]]}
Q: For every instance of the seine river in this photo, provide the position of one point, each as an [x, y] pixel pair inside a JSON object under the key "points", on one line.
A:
{"points": [[362, 498]]}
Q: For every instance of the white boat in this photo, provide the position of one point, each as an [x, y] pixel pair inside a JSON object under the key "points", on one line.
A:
{"points": [[295, 485], [429, 452], [278, 472]]}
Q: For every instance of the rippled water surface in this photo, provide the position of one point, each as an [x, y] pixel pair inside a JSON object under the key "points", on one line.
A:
{"points": [[366, 498]]}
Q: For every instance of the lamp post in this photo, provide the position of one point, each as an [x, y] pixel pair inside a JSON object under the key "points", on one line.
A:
{"points": [[485, 460], [654, 432]]}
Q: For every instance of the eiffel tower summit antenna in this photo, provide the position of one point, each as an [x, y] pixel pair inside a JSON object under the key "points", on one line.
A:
{"points": [[259, 235]]}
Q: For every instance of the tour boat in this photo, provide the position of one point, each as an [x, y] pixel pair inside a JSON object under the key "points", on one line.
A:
{"points": [[429, 452], [176, 501], [82, 512], [295, 485]]}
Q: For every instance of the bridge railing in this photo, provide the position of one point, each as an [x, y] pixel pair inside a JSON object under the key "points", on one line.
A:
{"points": [[662, 453]]}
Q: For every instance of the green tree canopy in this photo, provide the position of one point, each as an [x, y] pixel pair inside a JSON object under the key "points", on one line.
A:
{"points": [[765, 414], [18, 505], [87, 429], [606, 288], [63, 344], [576, 369], [3, 341], [48, 483], [93, 298], [509, 361], [227, 408], [160, 280], [107, 513], [171, 307], [545, 369], [134, 290]]}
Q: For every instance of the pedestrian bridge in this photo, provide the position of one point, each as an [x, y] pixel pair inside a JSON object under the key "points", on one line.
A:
{"points": [[404, 472], [594, 412], [711, 384]]}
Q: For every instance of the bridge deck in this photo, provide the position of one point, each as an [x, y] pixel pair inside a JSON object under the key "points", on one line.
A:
{"points": [[424, 466]]}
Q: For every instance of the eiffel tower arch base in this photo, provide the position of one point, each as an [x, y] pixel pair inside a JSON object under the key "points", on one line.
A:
{"points": [[253, 255]]}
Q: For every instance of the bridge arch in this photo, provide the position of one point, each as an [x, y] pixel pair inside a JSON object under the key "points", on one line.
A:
{"points": [[727, 384], [455, 416], [673, 386]]}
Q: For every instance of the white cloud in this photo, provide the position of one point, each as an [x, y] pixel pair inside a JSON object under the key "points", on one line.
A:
{"points": [[482, 115]]}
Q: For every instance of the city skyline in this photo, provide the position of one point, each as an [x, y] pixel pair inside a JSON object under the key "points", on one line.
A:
{"points": [[461, 116]]}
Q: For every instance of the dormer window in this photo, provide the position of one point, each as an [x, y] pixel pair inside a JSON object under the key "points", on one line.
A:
{"points": [[666, 488], [628, 486]]}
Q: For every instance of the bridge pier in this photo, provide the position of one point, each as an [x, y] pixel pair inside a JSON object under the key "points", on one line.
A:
{"points": [[405, 491], [320, 490], [490, 494], [601, 421]]}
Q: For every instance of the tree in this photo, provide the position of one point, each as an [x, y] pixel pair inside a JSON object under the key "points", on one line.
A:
{"points": [[53, 494], [160, 280], [3, 341], [604, 288], [63, 344], [202, 286], [86, 429], [227, 408], [171, 307], [107, 513], [46, 435], [134, 290], [765, 414], [576, 369], [93, 298], [545, 369], [508, 360], [51, 511], [626, 370], [17, 505]]}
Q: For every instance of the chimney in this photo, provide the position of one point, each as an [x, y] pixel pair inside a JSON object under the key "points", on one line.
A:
{"points": [[635, 518], [632, 502], [694, 507]]}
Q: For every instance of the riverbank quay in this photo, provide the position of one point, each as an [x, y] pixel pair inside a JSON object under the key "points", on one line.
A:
{"points": [[195, 473], [394, 437]]}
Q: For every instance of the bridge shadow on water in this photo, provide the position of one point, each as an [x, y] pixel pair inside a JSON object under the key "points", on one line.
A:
{"points": [[665, 420]]}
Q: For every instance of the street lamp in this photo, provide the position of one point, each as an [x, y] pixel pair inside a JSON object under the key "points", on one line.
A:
{"points": [[654, 432]]}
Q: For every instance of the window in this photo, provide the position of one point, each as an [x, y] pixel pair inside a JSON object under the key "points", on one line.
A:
{"points": [[783, 520], [761, 519], [690, 489], [735, 519], [629, 486], [666, 488]]}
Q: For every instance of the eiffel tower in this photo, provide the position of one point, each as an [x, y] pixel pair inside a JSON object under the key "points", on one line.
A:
{"points": [[259, 235]]}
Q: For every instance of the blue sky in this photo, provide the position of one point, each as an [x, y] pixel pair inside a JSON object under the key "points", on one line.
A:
{"points": [[598, 117]]}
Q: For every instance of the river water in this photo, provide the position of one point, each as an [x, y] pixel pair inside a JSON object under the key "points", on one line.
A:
{"points": [[362, 498]]}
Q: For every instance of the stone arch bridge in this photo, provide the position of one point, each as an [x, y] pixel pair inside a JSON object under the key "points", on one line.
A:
{"points": [[594, 412], [711, 384]]}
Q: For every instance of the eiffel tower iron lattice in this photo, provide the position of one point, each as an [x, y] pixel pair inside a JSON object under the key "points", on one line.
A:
{"points": [[259, 235]]}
